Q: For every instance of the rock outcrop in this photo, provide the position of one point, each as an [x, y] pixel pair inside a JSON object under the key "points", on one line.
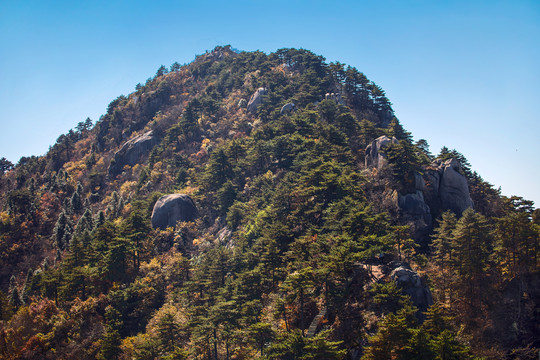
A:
{"points": [[374, 158], [287, 108], [131, 152], [242, 103], [417, 210], [335, 97], [442, 187], [410, 283], [170, 209], [256, 99], [414, 208], [446, 187]]}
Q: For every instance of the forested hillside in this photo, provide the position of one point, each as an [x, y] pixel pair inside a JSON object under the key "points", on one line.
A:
{"points": [[252, 205]]}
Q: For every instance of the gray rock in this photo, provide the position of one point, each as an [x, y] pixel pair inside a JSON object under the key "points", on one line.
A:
{"points": [[453, 189], [242, 103], [287, 108], [131, 152], [419, 183], [416, 208], [335, 97], [224, 236], [446, 187], [170, 209], [256, 99], [374, 158], [411, 284]]}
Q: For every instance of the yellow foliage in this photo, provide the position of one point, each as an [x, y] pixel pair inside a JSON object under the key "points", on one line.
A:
{"points": [[173, 309], [130, 346], [127, 187], [127, 208], [269, 175], [153, 265], [74, 167], [100, 162], [4, 217]]}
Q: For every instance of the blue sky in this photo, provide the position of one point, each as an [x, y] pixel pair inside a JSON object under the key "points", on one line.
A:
{"points": [[465, 74]]}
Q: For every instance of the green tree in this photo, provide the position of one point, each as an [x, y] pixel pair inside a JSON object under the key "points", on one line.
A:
{"points": [[168, 331], [471, 245], [404, 162], [441, 248], [396, 129], [297, 285], [5, 165], [62, 231], [393, 336], [110, 345], [76, 201], [261, 333], [320, 348], [218, 170]]}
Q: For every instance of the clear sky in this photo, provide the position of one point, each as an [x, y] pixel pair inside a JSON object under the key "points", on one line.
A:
{"points": [[465, 74]]}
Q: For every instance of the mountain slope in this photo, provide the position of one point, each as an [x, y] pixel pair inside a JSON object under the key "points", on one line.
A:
{"points": [[292, 215]]}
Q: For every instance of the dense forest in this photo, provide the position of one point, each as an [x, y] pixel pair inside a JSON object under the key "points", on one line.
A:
{"points": [[252, 205]]}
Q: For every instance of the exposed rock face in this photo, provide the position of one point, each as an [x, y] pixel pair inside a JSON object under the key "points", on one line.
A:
{"points": [[131, 152], [256, 99], [442, 188], [170, 209], [447, 187], [334, 96], [415, 206], [374, 158], [287, 108], [411, 284], [242, 103]]}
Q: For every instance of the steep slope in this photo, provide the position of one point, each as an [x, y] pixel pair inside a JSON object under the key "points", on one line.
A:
{"points": [[301, 194]]}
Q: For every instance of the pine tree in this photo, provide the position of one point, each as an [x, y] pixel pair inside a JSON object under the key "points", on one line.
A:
{"points": [[110, 346], [62, 231], [76, 202], [393, 336], [100, 219], [396, 129], [471, 244], [27, 287], [297, 285], [85, 223], [14, 298], [441, 249], [168, 330]]}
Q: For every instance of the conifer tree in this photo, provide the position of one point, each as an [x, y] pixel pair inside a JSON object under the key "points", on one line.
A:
{"points": [[14, 298], [110, 347], [85, 223], [471, 244], [62, 231], [396, 129], [100, 219], [441, 248], [76, 202], [27, 286], [297, 285]]}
